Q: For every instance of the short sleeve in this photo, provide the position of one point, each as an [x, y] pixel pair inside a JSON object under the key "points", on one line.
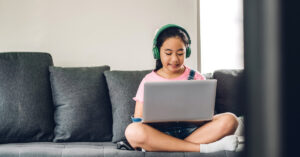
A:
{"points": [[140, 92]]}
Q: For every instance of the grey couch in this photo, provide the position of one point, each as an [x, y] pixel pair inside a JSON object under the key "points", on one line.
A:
{"points": [[48, 111]]}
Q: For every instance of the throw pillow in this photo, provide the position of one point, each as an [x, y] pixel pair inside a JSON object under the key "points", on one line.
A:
{"points": [[82, 104], [122, 87], [230, 91], [26, 110]]}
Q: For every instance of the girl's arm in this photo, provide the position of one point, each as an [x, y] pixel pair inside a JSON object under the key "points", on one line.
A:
{"points": [[138, 112]]}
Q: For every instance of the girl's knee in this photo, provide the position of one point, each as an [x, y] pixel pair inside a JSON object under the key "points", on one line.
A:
{"points": [[228, 121], [135, 134]]}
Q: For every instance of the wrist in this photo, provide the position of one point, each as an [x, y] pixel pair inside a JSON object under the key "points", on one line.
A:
{"points": [[136, 120]]}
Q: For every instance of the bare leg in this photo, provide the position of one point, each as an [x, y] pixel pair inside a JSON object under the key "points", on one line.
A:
{"points": [[144, 136], [222, 125], [150, 139]]}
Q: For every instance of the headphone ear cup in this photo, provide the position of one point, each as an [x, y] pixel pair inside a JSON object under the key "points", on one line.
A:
{"points": [[188, 52], [156, 53]]}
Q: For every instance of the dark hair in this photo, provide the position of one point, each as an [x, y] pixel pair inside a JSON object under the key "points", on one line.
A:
{"points": [[168, 33]]}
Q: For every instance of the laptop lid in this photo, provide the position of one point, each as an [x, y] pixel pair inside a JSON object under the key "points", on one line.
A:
{"points": [[174, 101]]}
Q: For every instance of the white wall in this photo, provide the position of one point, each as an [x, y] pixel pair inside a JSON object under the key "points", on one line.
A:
{"points": [[221, 30], [118, 33]]}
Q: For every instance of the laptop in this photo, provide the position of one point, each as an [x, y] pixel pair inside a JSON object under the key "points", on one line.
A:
{"points": [[179, 101]]}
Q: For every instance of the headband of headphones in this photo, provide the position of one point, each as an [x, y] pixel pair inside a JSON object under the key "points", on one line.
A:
{"points": [[155, 49]]}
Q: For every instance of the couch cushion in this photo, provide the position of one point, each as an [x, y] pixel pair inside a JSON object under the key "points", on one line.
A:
{"points": [[47, 149], [92, 149], [82, 104], [122, 86], [26, 110], [230, 91]]}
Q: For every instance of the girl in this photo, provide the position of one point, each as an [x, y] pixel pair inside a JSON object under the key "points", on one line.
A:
{"points": [[171, 47]]}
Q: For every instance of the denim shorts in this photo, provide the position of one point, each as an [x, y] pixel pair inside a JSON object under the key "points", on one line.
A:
{"points": [[175, 129]]}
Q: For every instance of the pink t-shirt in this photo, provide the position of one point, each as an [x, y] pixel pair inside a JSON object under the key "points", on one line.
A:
{"points": [[154, 77]]}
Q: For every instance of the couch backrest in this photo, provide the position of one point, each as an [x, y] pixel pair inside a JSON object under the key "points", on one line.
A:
{"points": [[230, 91]]}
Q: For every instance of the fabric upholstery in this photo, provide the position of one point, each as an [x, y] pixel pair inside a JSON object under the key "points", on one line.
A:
{"points": [[230, 91], [82, 104], [122, 86], [208, 76], [91, 149], [26, 110]]}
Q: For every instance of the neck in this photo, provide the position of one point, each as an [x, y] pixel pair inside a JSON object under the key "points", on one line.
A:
{"points": [[167, 74]]}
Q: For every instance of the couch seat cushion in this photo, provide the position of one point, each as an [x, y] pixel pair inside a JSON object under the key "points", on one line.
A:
{"points": [[91, 149]]}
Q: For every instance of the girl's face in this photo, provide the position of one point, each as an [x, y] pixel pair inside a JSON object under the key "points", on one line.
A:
{"points": [[172, 55]]}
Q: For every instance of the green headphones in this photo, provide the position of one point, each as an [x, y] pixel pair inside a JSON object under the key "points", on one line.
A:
{"points": [[155, 48]]}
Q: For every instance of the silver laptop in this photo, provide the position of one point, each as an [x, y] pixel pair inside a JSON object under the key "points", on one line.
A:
{"points": [[179, 101]]}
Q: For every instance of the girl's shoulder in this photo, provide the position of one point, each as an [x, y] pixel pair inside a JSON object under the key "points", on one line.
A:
{"points": [[152, 76]]}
